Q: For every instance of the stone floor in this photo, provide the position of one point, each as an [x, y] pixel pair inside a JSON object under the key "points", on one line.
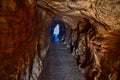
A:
{"points": [[59, 64]]}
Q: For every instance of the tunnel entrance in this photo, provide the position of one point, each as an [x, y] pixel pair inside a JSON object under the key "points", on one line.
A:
{"points": [[57, 30]]}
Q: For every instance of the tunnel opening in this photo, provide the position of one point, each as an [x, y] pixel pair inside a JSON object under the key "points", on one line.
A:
{"points": [[57, 30]]}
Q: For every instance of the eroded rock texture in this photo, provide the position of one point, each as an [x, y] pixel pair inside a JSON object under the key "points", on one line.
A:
{"points": [[93, 34], [23, 34]]}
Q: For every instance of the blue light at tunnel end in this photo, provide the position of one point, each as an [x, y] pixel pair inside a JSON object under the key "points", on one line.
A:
{"points": [[56, 32]]}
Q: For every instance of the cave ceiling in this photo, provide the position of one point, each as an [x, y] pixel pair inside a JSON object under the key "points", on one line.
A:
{"points": [[105, 12]]}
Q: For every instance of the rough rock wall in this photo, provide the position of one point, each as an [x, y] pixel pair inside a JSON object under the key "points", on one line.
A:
{"points": [[97, 53], [44, 23], [21, 28], [93, 34]]}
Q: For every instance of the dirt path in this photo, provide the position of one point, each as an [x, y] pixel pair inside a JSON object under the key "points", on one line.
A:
{"points": [[59, 64]]}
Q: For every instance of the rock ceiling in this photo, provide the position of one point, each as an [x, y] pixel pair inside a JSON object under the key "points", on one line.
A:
{"points": [[105, 12]]}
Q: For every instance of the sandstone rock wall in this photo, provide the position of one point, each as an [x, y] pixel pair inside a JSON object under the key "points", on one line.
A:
{"points": [[23, 34]]}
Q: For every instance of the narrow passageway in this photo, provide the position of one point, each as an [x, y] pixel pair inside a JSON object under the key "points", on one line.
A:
{"points": [[59, 64]]}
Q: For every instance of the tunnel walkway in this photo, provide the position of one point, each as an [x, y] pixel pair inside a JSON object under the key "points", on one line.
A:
{"points": [[59, 64]]}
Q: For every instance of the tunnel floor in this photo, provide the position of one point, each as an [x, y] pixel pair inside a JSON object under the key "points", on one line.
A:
{"points": [[59, 64]]}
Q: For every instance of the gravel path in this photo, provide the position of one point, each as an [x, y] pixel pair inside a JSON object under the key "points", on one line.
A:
{"points": [[59, 64]]}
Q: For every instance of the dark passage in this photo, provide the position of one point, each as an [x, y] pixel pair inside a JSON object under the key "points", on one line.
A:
{"points": [[59, 64]]}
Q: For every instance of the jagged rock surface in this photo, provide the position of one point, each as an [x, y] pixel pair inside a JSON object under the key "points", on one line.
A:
{"points": [[93, 34], [23, 31]]}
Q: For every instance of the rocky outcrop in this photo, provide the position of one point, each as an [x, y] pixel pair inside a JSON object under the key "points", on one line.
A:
{"points": [[93, 34]]}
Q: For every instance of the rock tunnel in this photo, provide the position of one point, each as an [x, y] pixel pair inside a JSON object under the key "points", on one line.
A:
{"points": [[89, 28]]}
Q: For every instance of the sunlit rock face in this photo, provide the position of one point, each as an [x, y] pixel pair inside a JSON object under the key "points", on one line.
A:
{"points": [[23, 39], [93, 34]]}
